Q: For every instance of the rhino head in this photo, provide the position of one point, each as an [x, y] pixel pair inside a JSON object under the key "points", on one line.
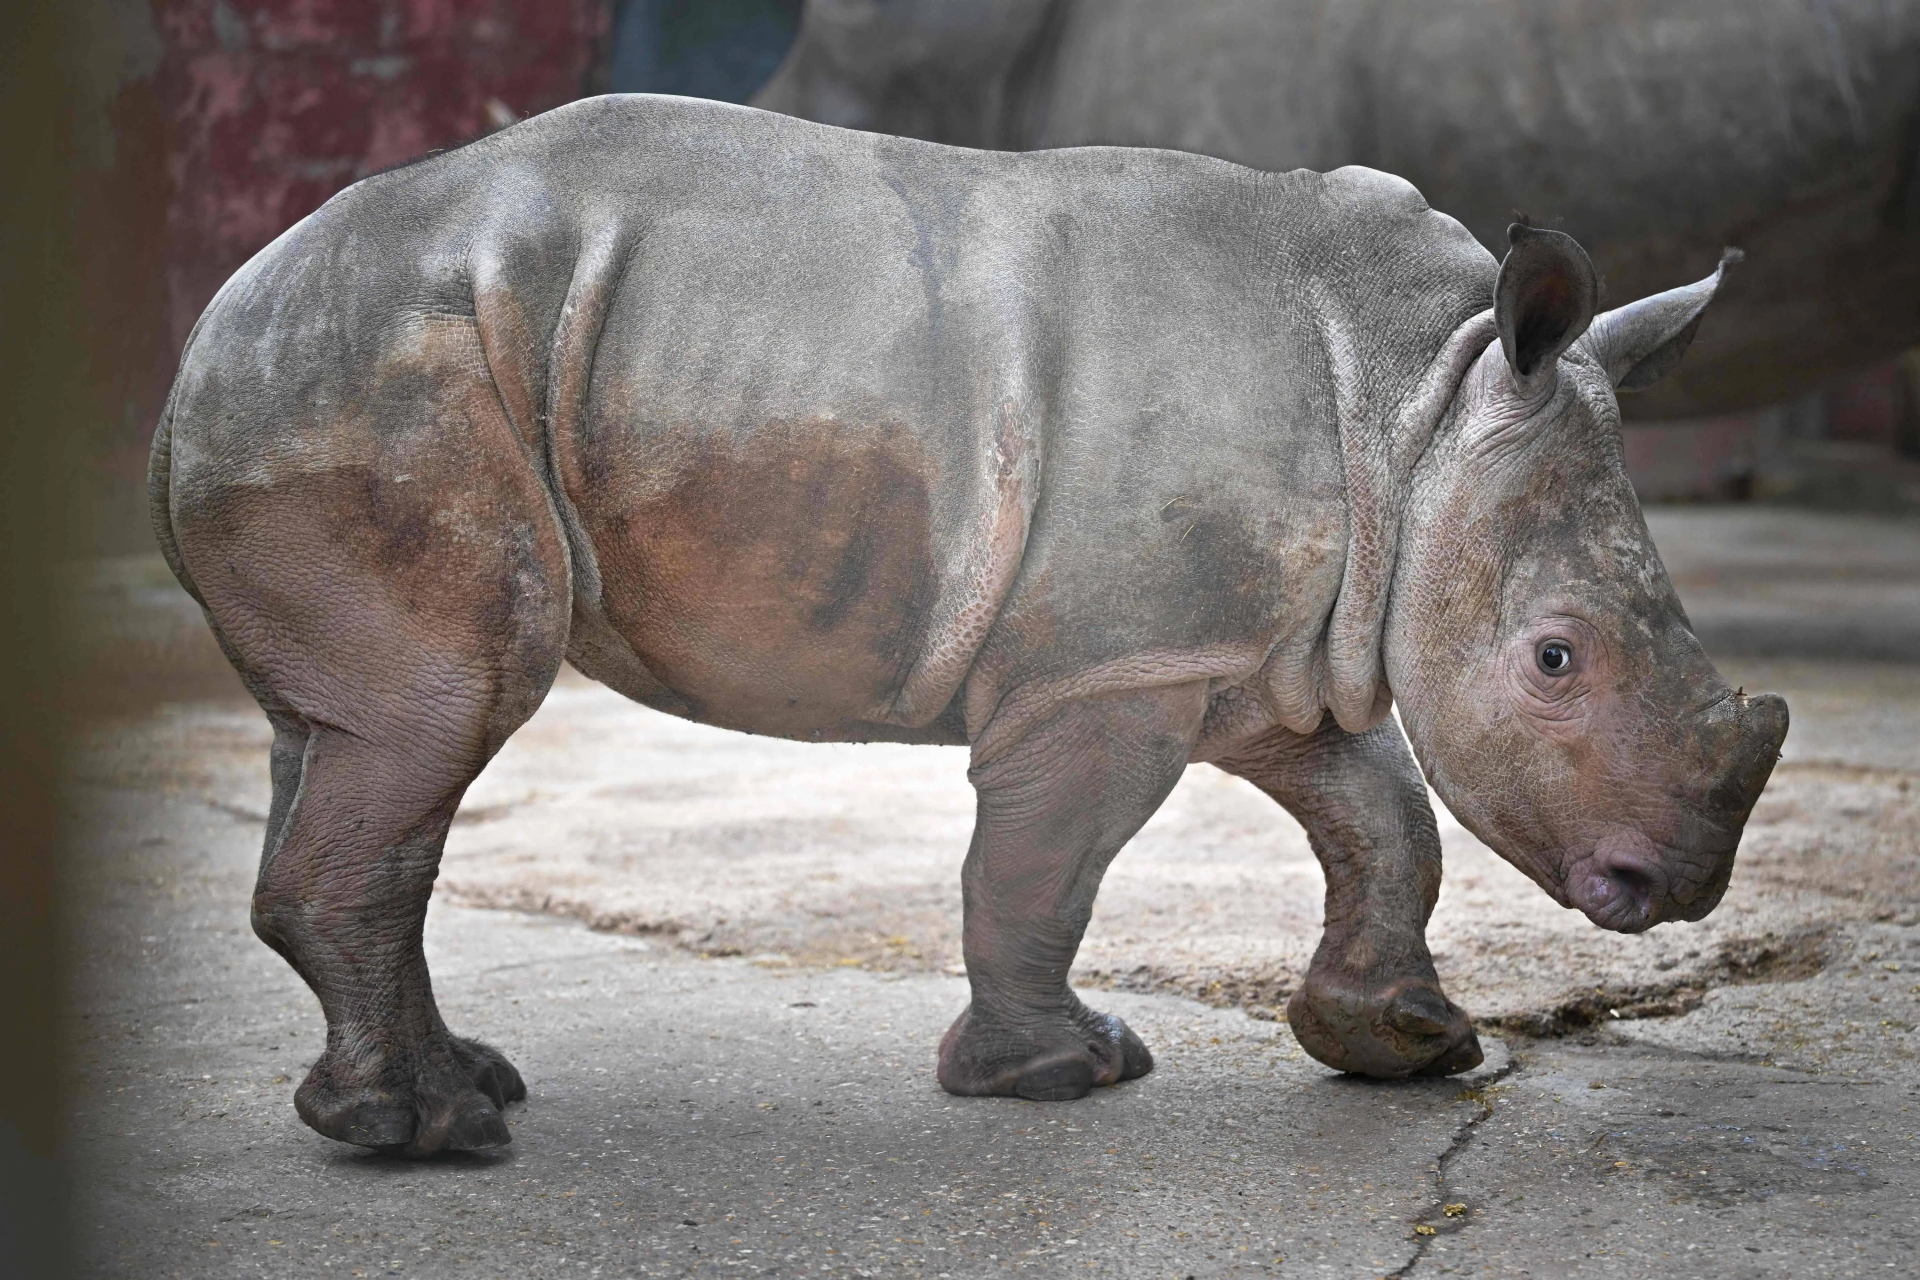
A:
{"points": [[1545, 670]]}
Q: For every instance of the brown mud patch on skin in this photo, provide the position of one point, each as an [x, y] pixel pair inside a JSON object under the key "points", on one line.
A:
{"points": [[375, 562], [366, 595], [779, 583]]}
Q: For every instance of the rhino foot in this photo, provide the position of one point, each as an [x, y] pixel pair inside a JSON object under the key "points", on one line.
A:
{"points": [[1056, 1060], [446, 1096], [1389, 1030]]}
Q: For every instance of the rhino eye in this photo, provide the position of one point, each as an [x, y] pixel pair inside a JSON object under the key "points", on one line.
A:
{"points": [[1556, 657]]}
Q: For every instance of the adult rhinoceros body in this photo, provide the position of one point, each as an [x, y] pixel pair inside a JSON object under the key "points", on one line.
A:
{"points": [[1655, 133], [1101, 462]]}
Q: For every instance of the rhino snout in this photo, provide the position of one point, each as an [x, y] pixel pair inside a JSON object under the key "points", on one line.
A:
{"points": [[1630, 883]]}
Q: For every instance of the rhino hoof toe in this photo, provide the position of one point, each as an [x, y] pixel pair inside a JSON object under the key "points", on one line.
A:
{"points": [[447, 1097], [1088, 1050], [1389, 1031], [490, 1072], [1465, 1055], [476, 1125]]}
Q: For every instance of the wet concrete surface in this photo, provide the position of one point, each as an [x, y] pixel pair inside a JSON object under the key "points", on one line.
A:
{"points": [[773, 1111]]}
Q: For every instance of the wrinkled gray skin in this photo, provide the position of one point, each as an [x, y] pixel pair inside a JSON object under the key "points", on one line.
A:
{"points": [[1101, 462], [1654, 133]]}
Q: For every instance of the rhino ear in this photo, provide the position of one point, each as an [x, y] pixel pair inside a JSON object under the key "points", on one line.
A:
{"points": [[1543, 298], [1639, 343]]}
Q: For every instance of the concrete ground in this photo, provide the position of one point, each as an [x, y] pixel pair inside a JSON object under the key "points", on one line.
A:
{"points": [[727, 1006]]}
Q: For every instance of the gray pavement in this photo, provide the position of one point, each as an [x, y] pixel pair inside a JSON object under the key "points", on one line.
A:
{"points": [[1640, 1161], [692, 1116]]}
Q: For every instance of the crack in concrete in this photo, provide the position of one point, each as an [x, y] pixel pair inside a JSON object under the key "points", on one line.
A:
{"points": [[1461, 1140]]}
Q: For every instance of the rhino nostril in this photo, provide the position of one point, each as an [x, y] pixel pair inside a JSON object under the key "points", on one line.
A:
{"points": [[1635, 886], [1622, 884]]}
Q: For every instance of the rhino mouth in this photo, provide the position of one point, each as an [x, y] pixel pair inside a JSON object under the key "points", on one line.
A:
{"points": [[1624, 885], [1622, 899], [1700, 904]]}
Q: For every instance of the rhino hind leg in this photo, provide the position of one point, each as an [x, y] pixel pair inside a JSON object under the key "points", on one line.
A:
{"points": [[397, 614], [1052, 812], [1371, 1002], [342, 895]]}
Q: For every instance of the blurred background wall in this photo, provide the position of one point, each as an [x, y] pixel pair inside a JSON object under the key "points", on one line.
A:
{"points": [[1853, 445], [216, 124], [209, 126], [721, 49]]}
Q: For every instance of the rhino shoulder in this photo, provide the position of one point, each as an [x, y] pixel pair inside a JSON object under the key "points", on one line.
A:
{"points": [[1369, 198], [1357, 185], [1391, 240]]}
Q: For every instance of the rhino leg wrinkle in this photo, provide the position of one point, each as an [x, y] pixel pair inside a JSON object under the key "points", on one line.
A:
{"points": [[1099, 462]]}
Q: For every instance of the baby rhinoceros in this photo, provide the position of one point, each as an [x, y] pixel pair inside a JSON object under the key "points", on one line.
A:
{"points": [[1100, 462]]}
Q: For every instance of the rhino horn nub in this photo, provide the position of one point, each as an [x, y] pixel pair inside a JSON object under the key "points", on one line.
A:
{"points": [[1638, 344], [1543, 298]]}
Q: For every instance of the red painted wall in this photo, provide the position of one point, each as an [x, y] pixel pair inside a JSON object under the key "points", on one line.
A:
{"points": [[222, 122]]}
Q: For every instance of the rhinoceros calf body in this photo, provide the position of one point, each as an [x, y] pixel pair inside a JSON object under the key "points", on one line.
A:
{"points": [[1099, 461], [1654, 132]]}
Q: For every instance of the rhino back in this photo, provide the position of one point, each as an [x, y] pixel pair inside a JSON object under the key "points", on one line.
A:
{"points": [[855, 411], [865, 410], [840, 374]]}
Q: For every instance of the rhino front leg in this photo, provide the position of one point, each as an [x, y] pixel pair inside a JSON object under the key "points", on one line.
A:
{"points": [[1053, 810], [1371, 1002]]}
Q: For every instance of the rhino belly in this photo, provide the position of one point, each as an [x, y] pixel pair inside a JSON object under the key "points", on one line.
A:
{"points": [[778, 581]]}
